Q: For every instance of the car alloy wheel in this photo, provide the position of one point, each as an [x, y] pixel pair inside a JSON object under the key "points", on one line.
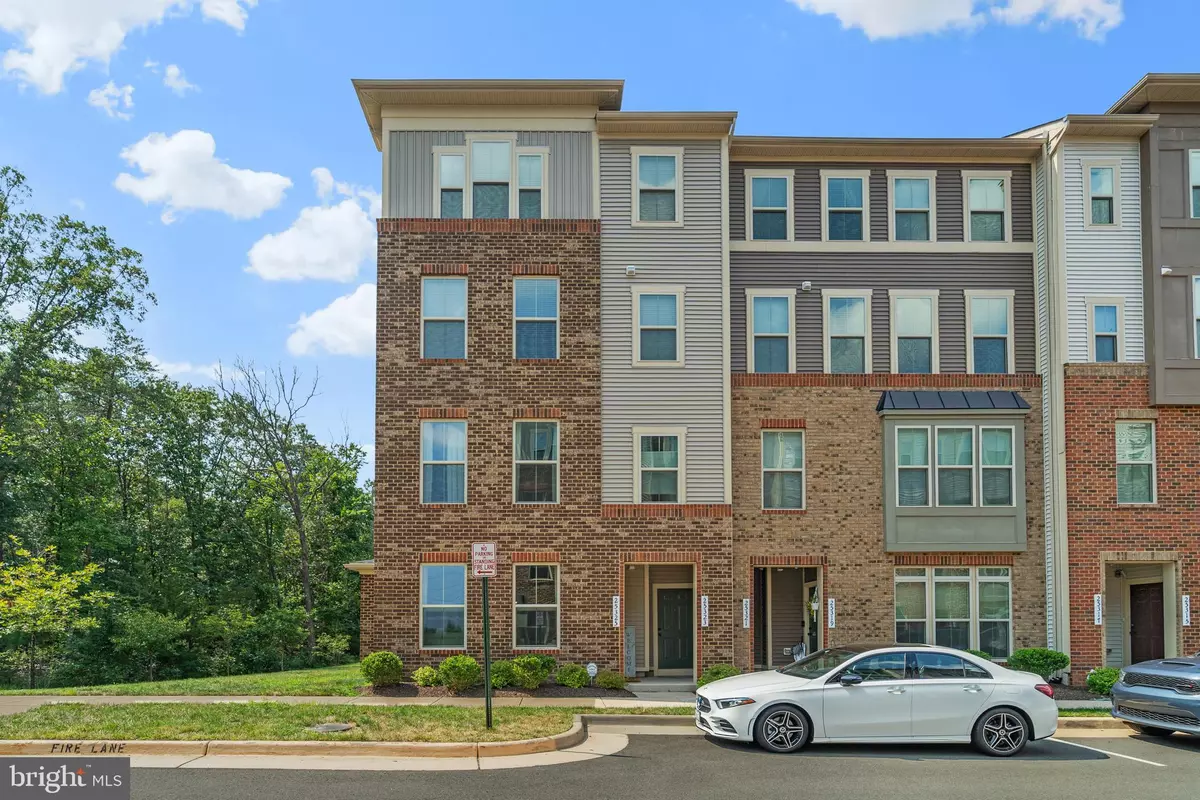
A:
{"points": [[1002, 733], [782, 730]]}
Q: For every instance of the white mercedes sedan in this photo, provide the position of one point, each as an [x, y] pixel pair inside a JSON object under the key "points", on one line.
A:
{"points": [[885, 694]]}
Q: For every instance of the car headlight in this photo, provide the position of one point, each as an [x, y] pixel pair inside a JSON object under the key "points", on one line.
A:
{"points": [[1120, 676], [733, 702]]}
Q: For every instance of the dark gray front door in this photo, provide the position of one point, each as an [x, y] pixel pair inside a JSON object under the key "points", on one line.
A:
{"points": [[1147, 638], [674, 628]]}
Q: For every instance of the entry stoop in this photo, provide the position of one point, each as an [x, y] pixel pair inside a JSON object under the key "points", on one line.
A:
{"points": [[664, 684]]}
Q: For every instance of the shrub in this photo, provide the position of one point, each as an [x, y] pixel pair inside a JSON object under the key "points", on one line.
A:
{"points": [[382, 669], [1100, 681], [548, 664], [529, 672], [573, 676], [607, 679], [716, 672], [426, 676], [459, 673], [980, 654], [331, 648], [503, 674], [1039, 660]]}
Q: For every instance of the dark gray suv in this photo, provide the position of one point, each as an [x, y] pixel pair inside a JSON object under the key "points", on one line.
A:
{"points": [[1160, 697]]}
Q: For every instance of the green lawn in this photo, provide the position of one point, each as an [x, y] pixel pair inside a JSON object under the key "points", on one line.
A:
{"points": [[1085, 712], [340, 681]]}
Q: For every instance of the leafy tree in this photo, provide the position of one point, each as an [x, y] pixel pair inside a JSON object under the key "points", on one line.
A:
{"points": [[148, 636]]}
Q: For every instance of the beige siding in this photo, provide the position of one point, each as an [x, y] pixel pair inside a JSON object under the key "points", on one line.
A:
{"points": [[635, 611]]}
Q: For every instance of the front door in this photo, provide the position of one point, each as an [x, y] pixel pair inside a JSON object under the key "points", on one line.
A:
{"points": [[1146, 636], [674, 629]]}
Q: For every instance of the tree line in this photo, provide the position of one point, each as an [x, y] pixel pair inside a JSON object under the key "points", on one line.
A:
{"points": [[151, 529]]}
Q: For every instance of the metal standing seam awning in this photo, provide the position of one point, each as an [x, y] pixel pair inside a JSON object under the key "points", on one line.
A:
{"points": [[951, 401]]}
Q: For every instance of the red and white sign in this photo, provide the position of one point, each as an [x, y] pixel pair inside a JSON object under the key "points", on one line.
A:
{"points": [[483, 559]]}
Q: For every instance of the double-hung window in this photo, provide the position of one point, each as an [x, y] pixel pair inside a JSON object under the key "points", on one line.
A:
{"points": [[772, 340], [657, 174], [847, 323], [990, 329], [1135, 463], [769, 211], [912, 613], [968, 462], [959, 607], [658, 325], [914, 331], [535, 606], [531, 177], [783, 469], [988, 206], [444, 318], [443, 461], [1196, 310], [846, 212], [444, 606], [1194, 182], [452, 180], [996, 466], [535, 461], [490, 177], [912, 467], [1102, 207], [1105, 334], [659, 460], [535, 309], [955, 451], [914, 218]]}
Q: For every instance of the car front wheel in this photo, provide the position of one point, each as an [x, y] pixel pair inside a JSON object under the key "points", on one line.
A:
{"points": [[781, 730], [1001, 732], [1148, 730]]}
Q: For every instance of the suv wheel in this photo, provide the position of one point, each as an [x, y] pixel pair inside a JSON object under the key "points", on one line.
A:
{"points": [[1001, 732], [781, 730]]}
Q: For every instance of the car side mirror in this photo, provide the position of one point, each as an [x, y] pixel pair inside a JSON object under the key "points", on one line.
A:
{"points": [[850, 679]]}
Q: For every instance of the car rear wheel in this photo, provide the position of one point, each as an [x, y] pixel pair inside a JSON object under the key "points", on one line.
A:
{"points": [[1001, 732], [783, 729], [1148, 730]]}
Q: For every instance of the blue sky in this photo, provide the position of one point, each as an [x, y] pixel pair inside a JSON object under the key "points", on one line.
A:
{"points": [[267, 82]]}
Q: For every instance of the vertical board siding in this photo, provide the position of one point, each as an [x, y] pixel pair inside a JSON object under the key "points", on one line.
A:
{"points": [[1114, 622], [1050, 478], [635, 612], [691, 256], [950, 273], [1103, 262], [569, 188], [787, 612]]}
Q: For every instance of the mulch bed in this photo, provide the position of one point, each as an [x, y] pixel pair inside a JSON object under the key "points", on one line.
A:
{"points": [[1062, 692], [546, 690]]}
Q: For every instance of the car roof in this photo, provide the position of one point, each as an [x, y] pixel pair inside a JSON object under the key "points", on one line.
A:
{"points": [[864, 647]]}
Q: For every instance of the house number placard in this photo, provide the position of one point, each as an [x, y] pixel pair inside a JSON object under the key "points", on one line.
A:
{"points": [[703, 611], [745, 612], [831, 612], [1098, 609], [616, 611], [1187, 610]]}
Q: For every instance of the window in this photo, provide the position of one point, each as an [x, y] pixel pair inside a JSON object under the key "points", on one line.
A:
{"points": [[656, 183], [443, 462], [996, 466], [1106, 324], [530, 178], [444, 606], [846, 206], [847, 322], [769, 316], [1194, 182], [452, 176], [883, 667], [535, 472], [990, 325], [658, 333], [1102, 208], [659, 461], [955, 466], [490, 177], [988, 207], [943, 666], [535, 606], [970, 608], [769, 210], [1196, 310], [1135, 462], [783, 469], [912, 466], [535, 308], [491, 173], [914, 218], [444, 318], [914, 331]]}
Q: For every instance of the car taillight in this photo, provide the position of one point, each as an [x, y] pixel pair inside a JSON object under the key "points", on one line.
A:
{"points": [[1046, 689]]}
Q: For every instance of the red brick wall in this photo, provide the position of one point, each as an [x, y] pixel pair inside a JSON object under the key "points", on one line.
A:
{"points": [[1095, 397]]}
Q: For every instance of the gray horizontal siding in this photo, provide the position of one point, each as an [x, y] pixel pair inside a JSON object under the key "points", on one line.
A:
{"points": [[688, 256], [950, 273]]}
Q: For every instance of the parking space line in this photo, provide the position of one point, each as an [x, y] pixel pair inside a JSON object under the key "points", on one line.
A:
{"points": [[1108, 752]]}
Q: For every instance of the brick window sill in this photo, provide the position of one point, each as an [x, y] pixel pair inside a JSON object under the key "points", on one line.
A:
{"points": [[443, 505], [535, 651], [536, 361], [785, 512], [434, 651], [441, 361]]}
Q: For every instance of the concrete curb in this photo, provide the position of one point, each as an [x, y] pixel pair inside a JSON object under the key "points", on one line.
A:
{"points": [[1092, 723], [640, 720]]}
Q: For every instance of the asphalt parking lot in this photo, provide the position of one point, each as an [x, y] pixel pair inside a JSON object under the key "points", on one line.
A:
{"points": [[653, 767]]}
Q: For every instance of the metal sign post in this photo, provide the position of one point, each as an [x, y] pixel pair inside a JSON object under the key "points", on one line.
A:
{"points": [[483, 565]]}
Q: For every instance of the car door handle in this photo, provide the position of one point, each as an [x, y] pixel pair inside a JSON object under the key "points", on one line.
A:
{"points": [[972, 689], [896, 690]]}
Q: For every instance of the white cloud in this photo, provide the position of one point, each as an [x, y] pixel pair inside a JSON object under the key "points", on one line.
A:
{"points": [[888, 19], [184, 369], [174, 80], [325, 242], [183, 173], [110, 98], [58, 37], [345, 327]]}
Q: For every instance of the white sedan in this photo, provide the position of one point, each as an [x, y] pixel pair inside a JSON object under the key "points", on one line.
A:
{"points": [[884, 694]]}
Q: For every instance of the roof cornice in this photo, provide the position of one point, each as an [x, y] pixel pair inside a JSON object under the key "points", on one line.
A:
{"points": [[686, 123], [747, 148], [1161, 87]]}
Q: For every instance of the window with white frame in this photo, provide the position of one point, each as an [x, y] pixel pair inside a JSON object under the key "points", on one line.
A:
{"points": [[444, 606], [530, 178], [1135, 463], [988, 207], [847, 322], [846, 206], [772, 338], [1196, 310], [968, 608], [659, 460], [658, 323], [914, 332], [912, 467], [955, 450], [656, 182], [783, 469], [535, 461], [1194, 182], [968, 462], [996, 466], [990, 329], [914, 218], [769, 214], [444, 318], [535, 312], [490, 177], [535, 606], [452, 181], [443, 461], [1104, 319], [1102, 183]]}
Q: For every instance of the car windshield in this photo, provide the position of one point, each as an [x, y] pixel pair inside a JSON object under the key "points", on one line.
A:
{"points": [[819, 663]]}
